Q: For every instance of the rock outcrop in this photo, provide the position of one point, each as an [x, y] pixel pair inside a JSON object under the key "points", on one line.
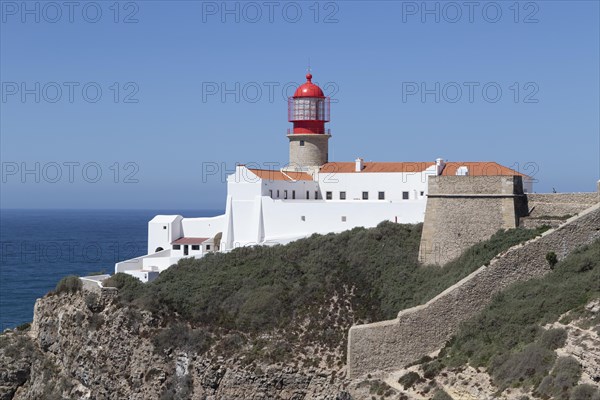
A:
{"points": [[88, 346]]}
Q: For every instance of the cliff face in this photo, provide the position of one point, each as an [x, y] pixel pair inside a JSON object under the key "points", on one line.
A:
{"points": [[86, 346]]}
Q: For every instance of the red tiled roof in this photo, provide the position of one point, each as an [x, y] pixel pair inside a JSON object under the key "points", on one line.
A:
{"points": [[480, 168], [273, 175], [476, 168], [347, 167], [190, 240]]}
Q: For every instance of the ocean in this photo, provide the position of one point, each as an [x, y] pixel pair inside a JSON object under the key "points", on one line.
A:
{"points": [[39, 247]]}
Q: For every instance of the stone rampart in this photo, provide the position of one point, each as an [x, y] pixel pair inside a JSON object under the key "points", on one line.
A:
{"points": [[424, 329], [560, 204], [464, 210]]}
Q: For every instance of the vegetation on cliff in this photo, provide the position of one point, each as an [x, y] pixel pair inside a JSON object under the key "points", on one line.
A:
{"points": [[311, 290], [509, 340]]}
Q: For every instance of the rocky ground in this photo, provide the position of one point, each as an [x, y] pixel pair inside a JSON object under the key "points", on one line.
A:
{"points": [[84, 346]]}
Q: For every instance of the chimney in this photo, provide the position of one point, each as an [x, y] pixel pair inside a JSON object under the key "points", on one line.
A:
{"points": [[439, 166], [359, 164]]}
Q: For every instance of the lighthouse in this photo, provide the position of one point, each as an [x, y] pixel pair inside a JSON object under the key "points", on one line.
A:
{"points": [[308, 110]]}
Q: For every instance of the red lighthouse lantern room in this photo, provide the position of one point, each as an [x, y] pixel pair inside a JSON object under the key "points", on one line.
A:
{"points": [[308, 109]]}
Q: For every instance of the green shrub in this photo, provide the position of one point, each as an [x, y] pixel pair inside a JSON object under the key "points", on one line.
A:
{"points": [[564, 377], [551, 258], [431, 369], [129, 287], [441, 395], [181, 336], [513, 319], [585, 392], [24, 327], [409, 379], [522, 368], [68, 284], [553, 339]]}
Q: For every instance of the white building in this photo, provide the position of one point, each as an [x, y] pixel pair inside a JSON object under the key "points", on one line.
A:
{"points": [[266, 207]]}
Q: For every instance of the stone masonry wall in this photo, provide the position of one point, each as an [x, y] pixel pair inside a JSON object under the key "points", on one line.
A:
{"points": [[560, 204], [313, 153], [424, 329], [464, 210]]}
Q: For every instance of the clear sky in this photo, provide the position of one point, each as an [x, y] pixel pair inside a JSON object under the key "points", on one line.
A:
{"points": [[191, 87]]}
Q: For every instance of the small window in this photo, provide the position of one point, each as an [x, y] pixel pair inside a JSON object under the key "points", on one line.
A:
{"points": [[302, 143], [381, 196], [285, 194], [176, 247], [164, 227], [404, 195], [277, 193], [195, 247], [271, 193], [316, 195], [307, 195], [343, 218], [342, 195], [365, 195], [328, 195], [293, 195], [303, 218], [208, 247], [422, 193]]}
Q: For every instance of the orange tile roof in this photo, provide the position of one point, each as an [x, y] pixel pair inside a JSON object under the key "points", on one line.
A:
{"points": [[480, 168], [273, 175], [347, 167]]}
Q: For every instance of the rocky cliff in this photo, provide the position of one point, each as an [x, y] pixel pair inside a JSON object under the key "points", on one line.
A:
{"points": [[87, 346]]}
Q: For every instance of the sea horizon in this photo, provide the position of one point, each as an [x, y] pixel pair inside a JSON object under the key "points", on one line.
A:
{"points": [[39, 246]]}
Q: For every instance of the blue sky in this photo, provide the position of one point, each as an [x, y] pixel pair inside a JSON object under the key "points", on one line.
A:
{"points": [[162, 120]]}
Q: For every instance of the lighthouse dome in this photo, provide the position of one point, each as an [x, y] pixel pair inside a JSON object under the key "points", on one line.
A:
{"points": [[308, 89]]}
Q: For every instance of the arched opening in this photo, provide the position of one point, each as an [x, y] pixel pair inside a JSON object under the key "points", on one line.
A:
{"points": [[158, 249]]}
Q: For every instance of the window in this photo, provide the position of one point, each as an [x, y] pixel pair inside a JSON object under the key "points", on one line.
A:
{"points": [[365, 195], [343, 218], [404, 195], [307, 195], [303, 218], [302, 143], [285, 194], [164, 227], [342, 195], [186, 250], [316, 195], [328, 195], [208, 247], [422, 193], [176, 247], [381, 196], [277, 193], [195, 247], [271, 193], [293, 194]]}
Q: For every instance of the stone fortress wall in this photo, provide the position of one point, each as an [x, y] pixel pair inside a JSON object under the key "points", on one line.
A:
{"points": [[464, 210], [421, 330]]}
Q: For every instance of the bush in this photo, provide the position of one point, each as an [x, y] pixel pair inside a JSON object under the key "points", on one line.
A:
{"points": [[409, 379], [129, 287], [181, 336], [564, 377], [514, 317], [553, 339], [68, 284], [585, 392], [523, 368], [431, 369], [441, 395], [552, 259]]}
